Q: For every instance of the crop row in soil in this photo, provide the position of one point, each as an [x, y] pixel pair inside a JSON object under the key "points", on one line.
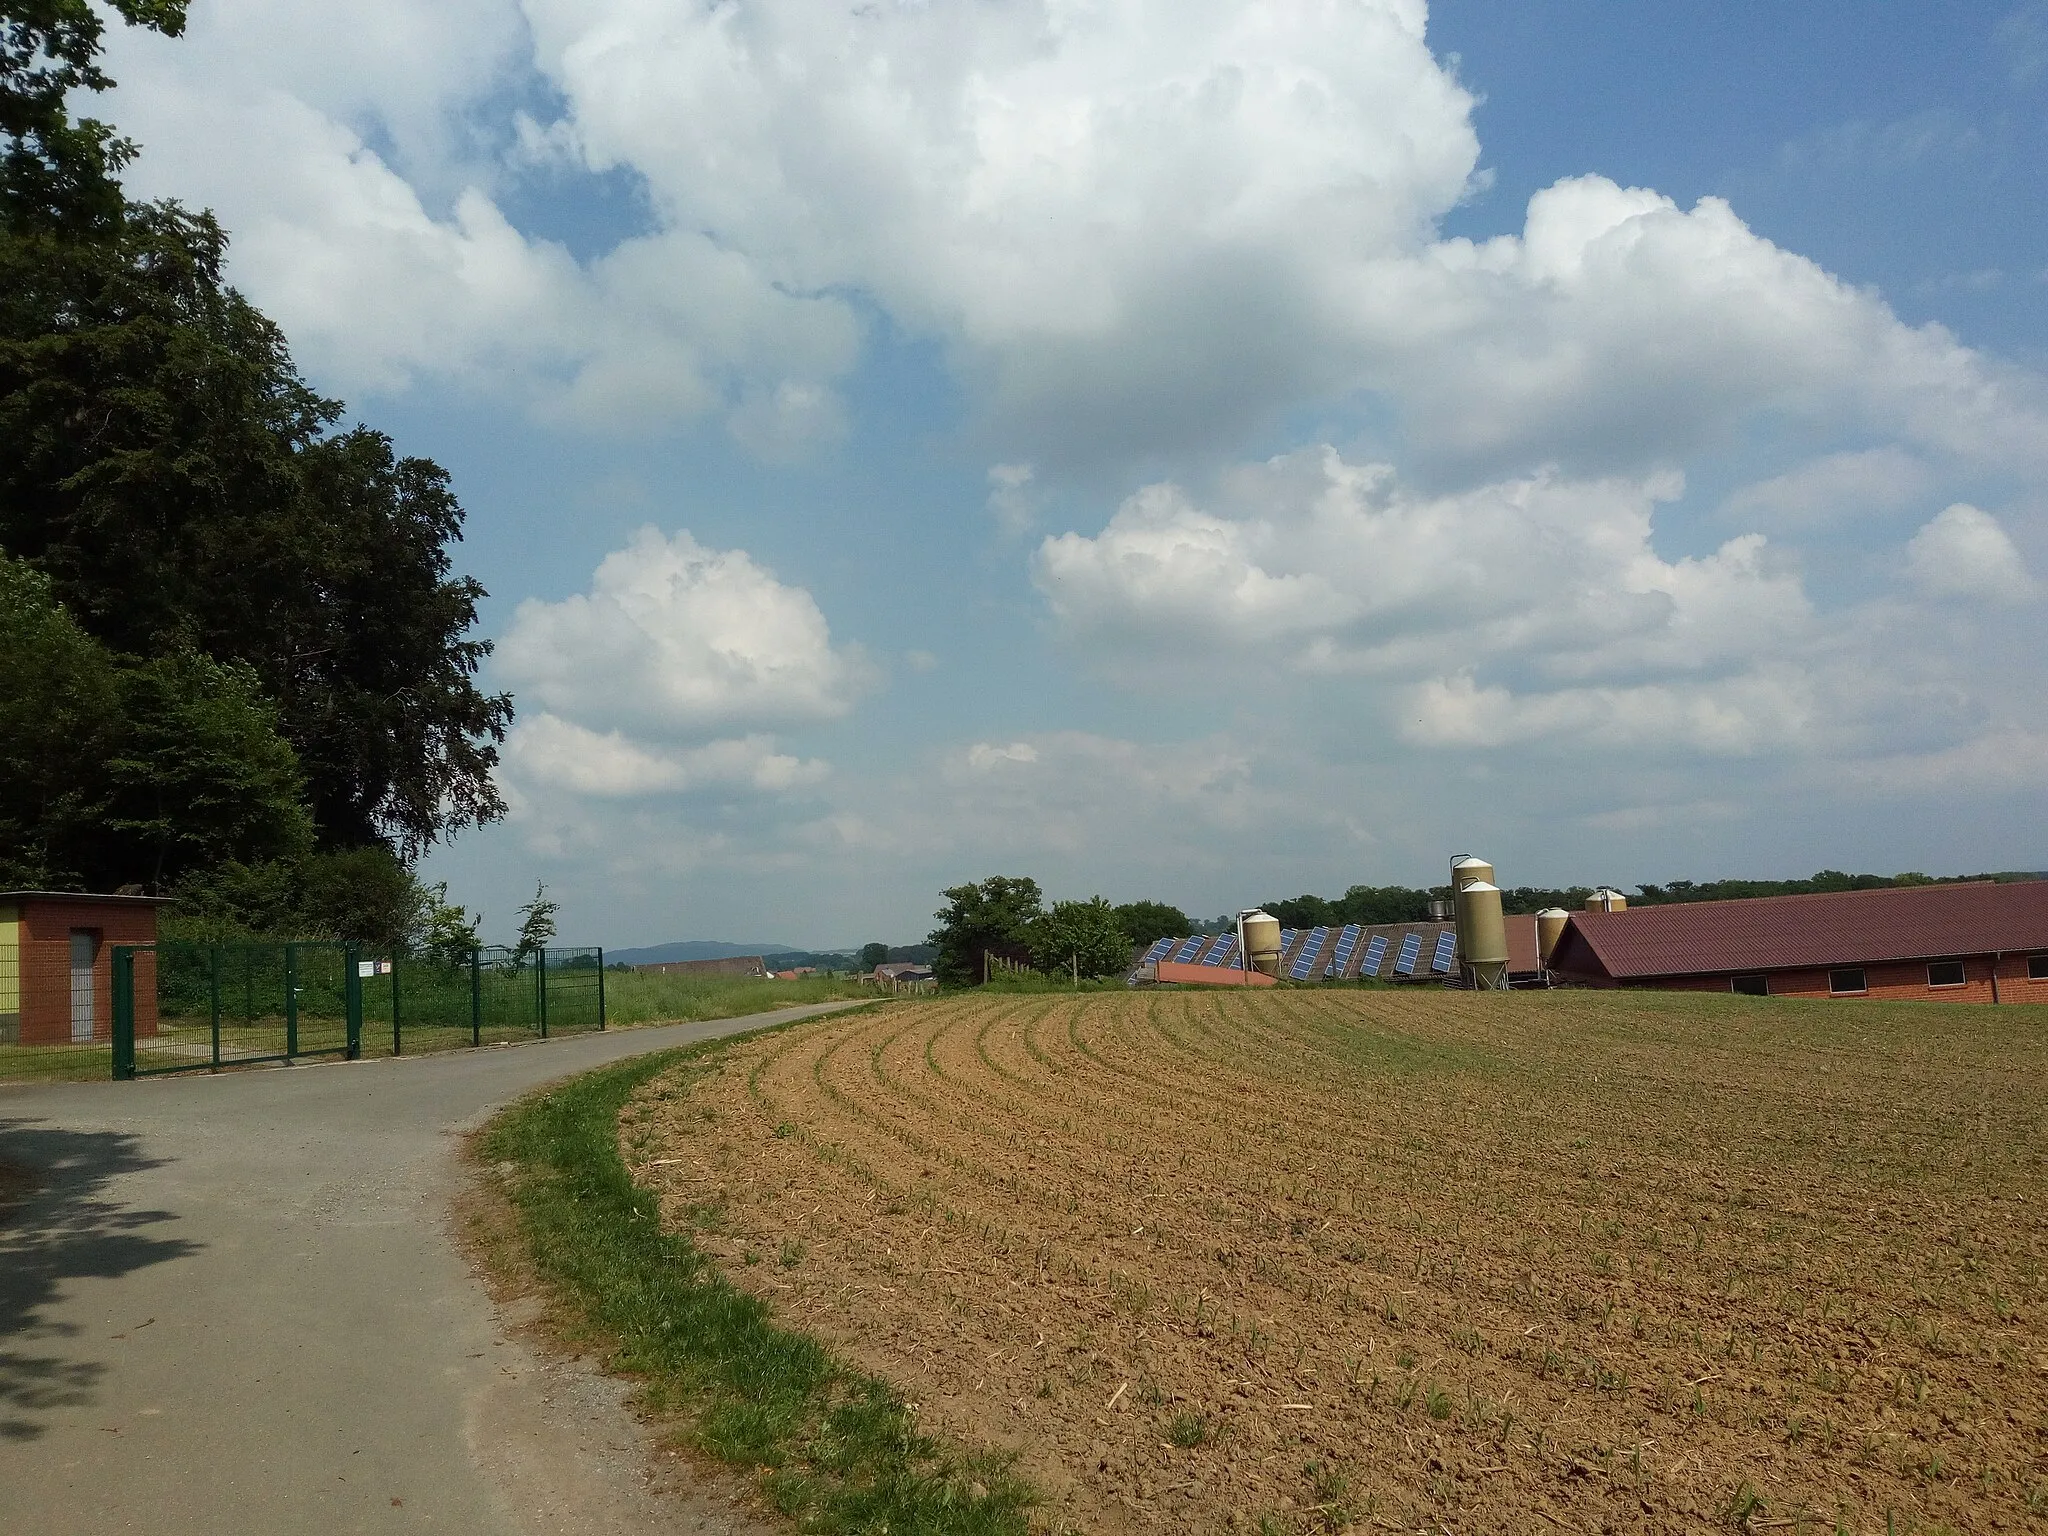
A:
{"points": [[1343, 1260]]}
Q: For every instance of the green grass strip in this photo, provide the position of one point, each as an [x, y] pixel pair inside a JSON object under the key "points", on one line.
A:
{"points": [[836, 1449]]}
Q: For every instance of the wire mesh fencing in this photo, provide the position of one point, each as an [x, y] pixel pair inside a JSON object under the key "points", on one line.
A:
{"points": [[229, 1005], [182, 1007]]}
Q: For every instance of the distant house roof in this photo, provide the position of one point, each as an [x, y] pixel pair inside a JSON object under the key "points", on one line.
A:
{"points": [[904, 970], [1834, 928], [731, 965]]}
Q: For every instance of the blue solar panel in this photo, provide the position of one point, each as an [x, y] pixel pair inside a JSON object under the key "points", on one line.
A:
{"points": [[1375, 955], [1221, 952], [1158, 950], [1347, 944], [1310, 948], [1188, 950], [1446, 946], [1411, 951]]}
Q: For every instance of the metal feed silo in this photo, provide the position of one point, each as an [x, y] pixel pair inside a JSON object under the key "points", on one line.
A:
{"points": [[1483, 936], [1261, 936], [1549, 929], [1465, 869], [1606, 899]]}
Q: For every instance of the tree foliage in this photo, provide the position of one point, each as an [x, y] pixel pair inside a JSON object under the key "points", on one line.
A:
{"points": [[115, 771], [872, 955], [999, 911], [1144, 921], [360, 895], [537, 922], [185, 490], [1086, 936]]}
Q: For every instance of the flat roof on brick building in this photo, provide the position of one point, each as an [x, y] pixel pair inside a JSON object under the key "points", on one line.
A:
{"points": [[1833, 928]]}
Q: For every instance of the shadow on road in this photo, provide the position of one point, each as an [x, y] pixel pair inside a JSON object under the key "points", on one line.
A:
{"points": [[58, 1224]]}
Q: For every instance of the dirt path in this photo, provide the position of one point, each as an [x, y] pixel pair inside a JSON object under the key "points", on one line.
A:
{"points": [[234, 1304]]}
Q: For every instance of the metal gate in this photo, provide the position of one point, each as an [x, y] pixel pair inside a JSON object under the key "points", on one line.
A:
{"points": [[206, 1007]]}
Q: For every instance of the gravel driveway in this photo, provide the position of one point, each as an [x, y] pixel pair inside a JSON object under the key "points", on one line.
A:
{"points": [[233, 1304]]}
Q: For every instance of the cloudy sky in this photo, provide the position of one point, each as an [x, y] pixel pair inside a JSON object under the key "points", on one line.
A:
{"points": [[1192, 449]]}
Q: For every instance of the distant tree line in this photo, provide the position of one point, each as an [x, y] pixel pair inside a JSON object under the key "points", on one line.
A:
{"points": [[236, 666], [1008, 915]]}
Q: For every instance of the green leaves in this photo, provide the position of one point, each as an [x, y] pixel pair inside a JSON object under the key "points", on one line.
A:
{"points": [[1080, 935], [164, 464], [56, 173], [116, 771], [996, 913]]}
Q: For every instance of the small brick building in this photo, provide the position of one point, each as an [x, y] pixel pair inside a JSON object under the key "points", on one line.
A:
{"points": [[57, 965], [1974, 942]]}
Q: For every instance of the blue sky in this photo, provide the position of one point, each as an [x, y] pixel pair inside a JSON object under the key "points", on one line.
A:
{"points": [[1205, 452]]}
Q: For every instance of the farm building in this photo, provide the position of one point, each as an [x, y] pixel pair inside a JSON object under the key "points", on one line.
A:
{"points": [[1383, 951], [56, 965], [732, 965], [1978, 943]]}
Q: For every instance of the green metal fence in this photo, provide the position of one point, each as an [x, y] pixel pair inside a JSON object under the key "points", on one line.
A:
{"points": [[233, 1005]]}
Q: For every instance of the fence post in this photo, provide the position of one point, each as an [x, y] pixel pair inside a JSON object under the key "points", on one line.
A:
{"points": [[124, 1013], [600, 986], [213, 997], [291, 1001], [476, 997], [352, 999], [397, 1039], [540, 981]]}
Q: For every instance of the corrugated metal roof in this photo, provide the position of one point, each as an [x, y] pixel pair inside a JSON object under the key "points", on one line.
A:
{"points": [[1524, 953], [1774, 933]]}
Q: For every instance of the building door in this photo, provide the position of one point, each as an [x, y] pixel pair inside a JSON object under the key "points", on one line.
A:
{"points": [[84, 951]]}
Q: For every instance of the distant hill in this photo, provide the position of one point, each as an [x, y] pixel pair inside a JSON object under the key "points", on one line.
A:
{"points": [[816, 959], [691, 949]]}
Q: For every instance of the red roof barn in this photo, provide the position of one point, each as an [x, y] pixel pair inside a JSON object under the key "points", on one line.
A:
{"points": [[1978, 942]]}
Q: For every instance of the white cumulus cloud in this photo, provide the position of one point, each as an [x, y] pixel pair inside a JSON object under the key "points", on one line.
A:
{"points": [[681, 638], [1964, 553]]}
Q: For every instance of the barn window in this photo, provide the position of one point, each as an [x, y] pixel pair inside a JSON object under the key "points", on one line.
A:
{"points": [[1945, 973], [1848, 979], [1751, 986], [2037, 967]]}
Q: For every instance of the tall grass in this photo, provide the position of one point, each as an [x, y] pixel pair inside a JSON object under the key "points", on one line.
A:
{"points": [[655, 997], [835, 1448]]}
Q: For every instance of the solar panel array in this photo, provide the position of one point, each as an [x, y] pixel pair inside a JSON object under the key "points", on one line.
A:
{"points": [[1355, 950], [1305, 957], [1347, 945]]}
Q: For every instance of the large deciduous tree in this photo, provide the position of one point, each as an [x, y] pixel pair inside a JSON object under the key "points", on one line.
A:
{"points": [[115, 771], [164, 464], [997, 912], [1084, 937]]}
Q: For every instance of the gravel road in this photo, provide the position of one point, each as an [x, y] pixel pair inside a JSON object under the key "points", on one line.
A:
{"points": [[234, 1303]]}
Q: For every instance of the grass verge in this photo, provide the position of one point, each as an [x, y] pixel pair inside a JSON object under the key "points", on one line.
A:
{"points": [[834, 1449]]}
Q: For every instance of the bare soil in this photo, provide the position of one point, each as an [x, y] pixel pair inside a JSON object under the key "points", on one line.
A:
{"points": [[1327, 1260]]}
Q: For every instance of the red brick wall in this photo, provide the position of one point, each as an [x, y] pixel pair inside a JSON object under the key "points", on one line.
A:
{"points": [[46, 966], [1897, 981]]}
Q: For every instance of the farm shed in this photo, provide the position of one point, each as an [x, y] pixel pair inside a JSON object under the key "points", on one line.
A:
{"points": [[57, 965], [1980, 942]]}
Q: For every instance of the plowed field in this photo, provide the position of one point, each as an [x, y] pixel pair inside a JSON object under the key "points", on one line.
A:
{"points": [[1329, 1260]]}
